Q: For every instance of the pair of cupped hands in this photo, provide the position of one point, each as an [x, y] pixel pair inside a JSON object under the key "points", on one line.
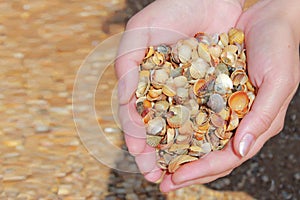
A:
{"points": [[272, 33]]}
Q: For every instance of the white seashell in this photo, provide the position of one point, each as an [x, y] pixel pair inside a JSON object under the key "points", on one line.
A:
{"points": [[223, 84], [199, 68]]}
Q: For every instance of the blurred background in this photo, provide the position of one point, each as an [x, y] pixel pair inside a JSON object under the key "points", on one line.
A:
{"points": [[42, 45]]}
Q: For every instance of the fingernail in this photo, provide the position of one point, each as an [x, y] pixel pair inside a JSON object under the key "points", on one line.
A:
{"points": [[245, 144]]}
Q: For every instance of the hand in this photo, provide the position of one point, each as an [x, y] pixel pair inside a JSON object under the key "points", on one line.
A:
{"points": [[273, 64], [207, 16]]}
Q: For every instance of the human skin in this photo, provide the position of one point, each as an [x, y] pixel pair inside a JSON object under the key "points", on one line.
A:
{"points": [[272, 39]]}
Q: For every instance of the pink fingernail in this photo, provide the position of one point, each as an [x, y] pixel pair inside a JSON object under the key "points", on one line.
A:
{"points": [[245, 144]]}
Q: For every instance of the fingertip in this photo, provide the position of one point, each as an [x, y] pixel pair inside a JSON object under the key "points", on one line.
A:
{"points": [[155, 175]]}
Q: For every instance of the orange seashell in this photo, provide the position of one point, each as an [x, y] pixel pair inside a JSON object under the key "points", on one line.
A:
{"points": [[239, 102]]}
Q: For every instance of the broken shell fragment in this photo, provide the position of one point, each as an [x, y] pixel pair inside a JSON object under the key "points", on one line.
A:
{"points": [[156, 126], [179, 160]]}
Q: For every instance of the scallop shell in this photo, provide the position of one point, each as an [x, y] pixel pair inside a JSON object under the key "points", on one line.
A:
{"points": [[224, 39], [184, 53], [215, 50], [200, 87], [217, 120], [168, 90], [179, 160], [236, 36], [229, 58], [180, 82], [161, 106], [216, 102]]}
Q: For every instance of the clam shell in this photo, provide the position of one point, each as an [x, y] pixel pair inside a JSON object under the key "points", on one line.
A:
{"points": [[239, 102], [224, 39], [223, 84], [153, 140], [229, 58], [186, 128], [236, 36], [184, 53], [180, 114], [156, 126], [168, 90], [198, 68], [200, 87], [158, 58], [203, 52], [215, 50], [159, 77], [239, 77], [180, 82], [217, 120], [179, 160], [154, 94], [150, 52], [233, 121], [161, 105], [216, 102]]}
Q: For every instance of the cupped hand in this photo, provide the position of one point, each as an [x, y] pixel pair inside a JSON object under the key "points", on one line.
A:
{"points": [[273, 66], [272, 42]]}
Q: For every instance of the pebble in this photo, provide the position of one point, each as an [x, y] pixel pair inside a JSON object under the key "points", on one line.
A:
{"points": [[265, 178], [297, 176]]}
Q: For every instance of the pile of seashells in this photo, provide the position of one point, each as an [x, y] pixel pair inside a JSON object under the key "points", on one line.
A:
{"points": [[192, 94]]}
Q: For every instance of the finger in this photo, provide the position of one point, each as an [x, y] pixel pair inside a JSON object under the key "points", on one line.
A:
{"points": [[154, 175], [219, 161], [133, 128], [146, 161], [168, 185]]}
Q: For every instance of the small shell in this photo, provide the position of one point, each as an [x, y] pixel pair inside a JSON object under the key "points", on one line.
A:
{"points": [[159, 77], [150, 52], [215, 50], [231, 48], [156, 126], [183, 139], [158, 58], [203, 52], [198, 68], [224, 39], [193, 106], [233, 121], [180, 114], [161, 106], [153, 140], [229, 58], [184, 53], [236, 36], [177, 161], [250, 87], [206, 148], [177, 148], [216, 102], [200, 87], [239, 102], [180, 81], [223, 84], [217, 121], [239, 77], [222, 134], [168, 90], [170, 135], [154, 94], [186, 128]]}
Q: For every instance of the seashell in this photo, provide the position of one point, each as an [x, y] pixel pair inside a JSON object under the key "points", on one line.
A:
{"points": [[203, 38], [176, 72], [231, 48], [180, 82], [198, 68], [222, 134], [154, 94], [250, 87], [182, 93], [199, 136], [147, 115], [184, 53], [217, 121], [213, 140], [156, 126], [223, 143], [239, 102], [242, 55], [144, 84], [179, 160], [240, 64], [229, 58], [178, 148], [225, 113], [179, 115], [168, 90], [164, 49], [153, 140], [200, 87], [236, 36], [206, 148], [158, 59], [216, 102], [251, 97], [170, 135], [239, 77], [159, 77], [193, 106], [147, 64], [233, 121], [183, 139], [203, 52], [215, 50], [195, 150], [149, 53], [223, 84], [161, 106], [224, 39], [186, 128], [214, 38], [221, 69]]}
